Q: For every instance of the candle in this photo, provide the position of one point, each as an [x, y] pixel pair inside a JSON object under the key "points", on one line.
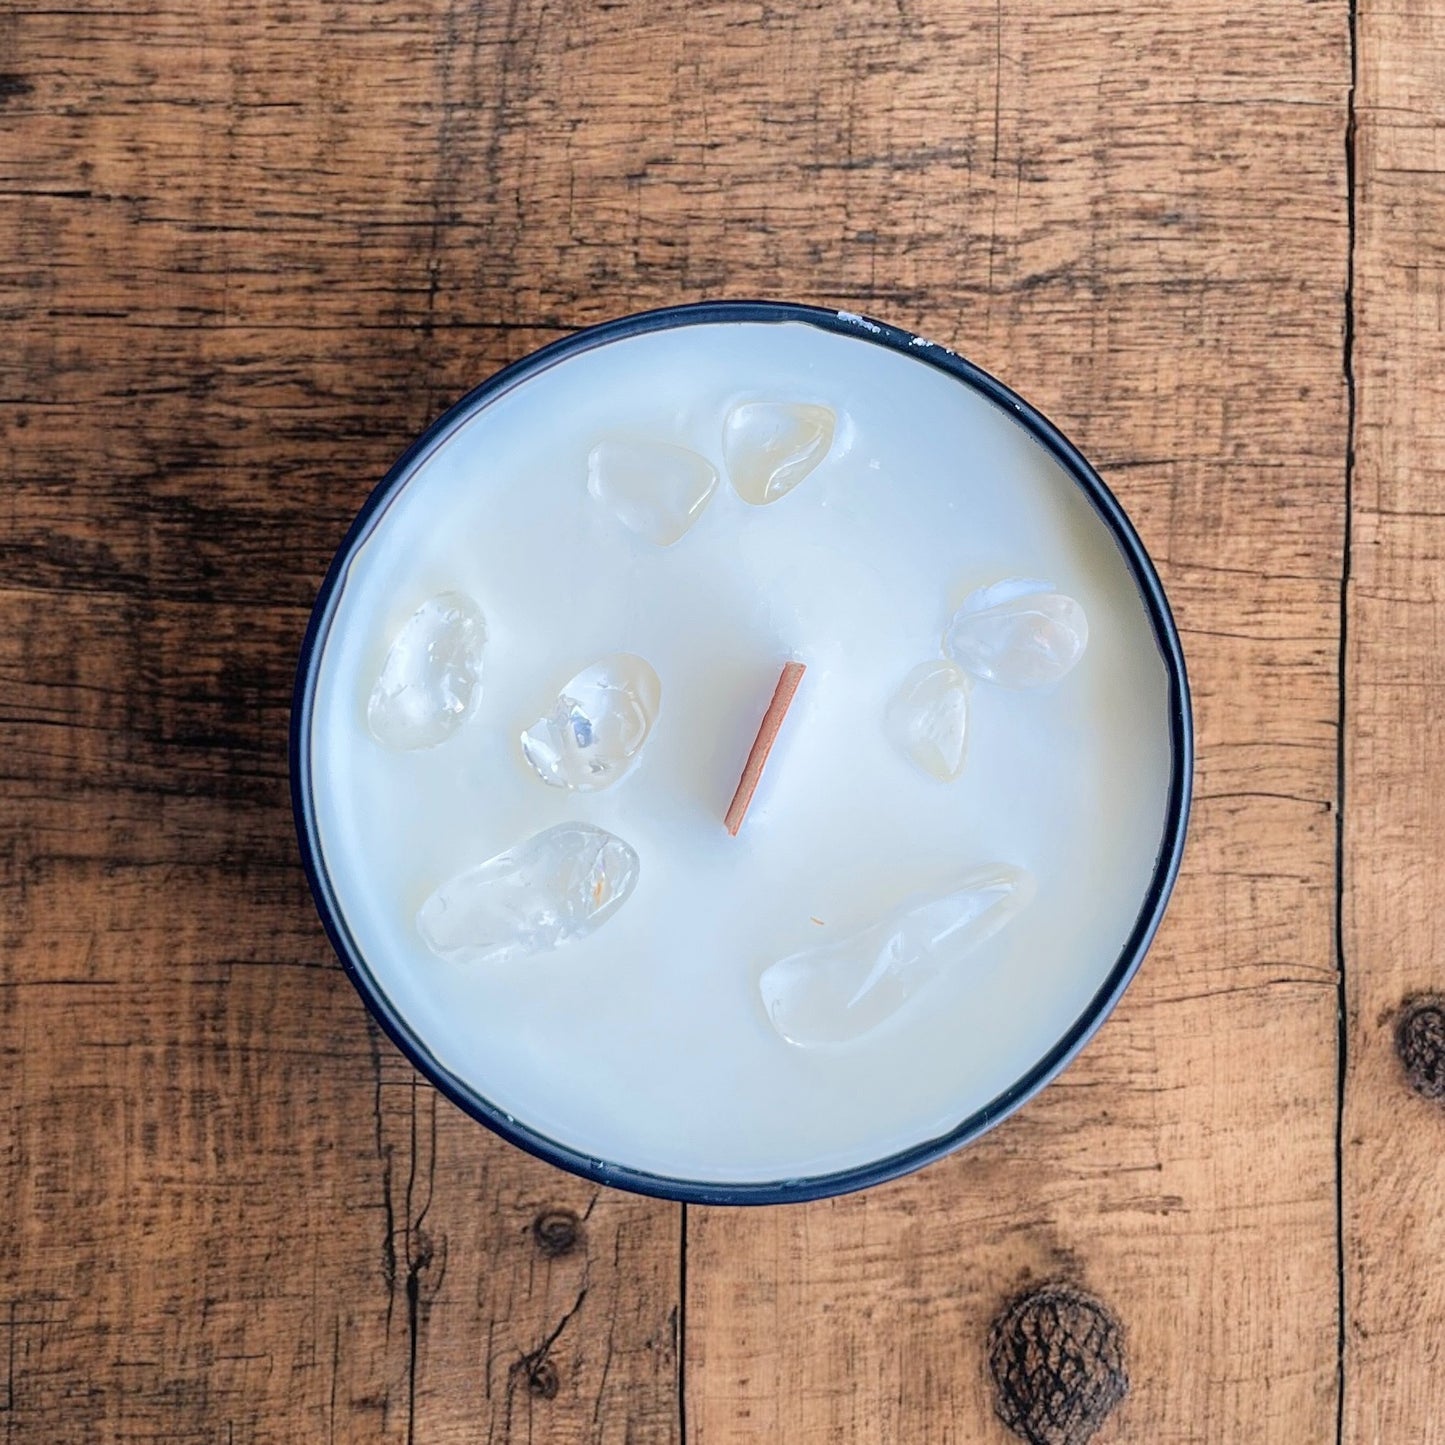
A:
{"points": [[532, 755]]}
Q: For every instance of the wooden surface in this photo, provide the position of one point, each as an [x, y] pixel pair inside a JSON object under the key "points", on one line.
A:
{"points": [[249, 249], [1394, 1140]]}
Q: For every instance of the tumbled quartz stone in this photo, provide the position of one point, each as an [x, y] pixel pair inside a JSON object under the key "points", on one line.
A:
{"points": [[432, 676], [837, 992], [656, 489], [558, 886], [594, 733], [1018, 633], [770, 446], [928, 718]]}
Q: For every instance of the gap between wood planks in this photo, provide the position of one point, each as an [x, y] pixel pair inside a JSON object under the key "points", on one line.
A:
{"points": [[1342, 1018]]}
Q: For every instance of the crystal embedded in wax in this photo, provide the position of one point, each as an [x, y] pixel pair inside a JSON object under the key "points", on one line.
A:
{"points": [[770, 446], [928, 718], [432, 676], [1018, 633], [594, 733], [836, 992], [656, 489], [558, 886]]}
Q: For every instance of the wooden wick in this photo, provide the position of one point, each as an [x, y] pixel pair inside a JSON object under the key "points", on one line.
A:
{"points": [[783, 696]]}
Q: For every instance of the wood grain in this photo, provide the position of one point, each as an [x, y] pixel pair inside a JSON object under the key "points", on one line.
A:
{"points": [[250, 249], [1394, 1140], [1152, 241], [234, 1214]]}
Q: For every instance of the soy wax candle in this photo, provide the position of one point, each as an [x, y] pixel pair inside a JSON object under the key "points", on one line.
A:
{"points": [[741, 752]]}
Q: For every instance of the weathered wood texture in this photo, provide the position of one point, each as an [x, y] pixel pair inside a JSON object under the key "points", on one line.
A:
{"points": [[233, 284], [249, 248], [1152, 239], [1394, 1140]]}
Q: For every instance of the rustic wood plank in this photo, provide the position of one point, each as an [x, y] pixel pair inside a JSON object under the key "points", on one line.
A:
{"points": [[234, 1214], [1142, 221], [1394, 1137]]}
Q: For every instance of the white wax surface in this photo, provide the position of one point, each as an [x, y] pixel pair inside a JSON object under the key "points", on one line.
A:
{"points": [[646, 1044]]}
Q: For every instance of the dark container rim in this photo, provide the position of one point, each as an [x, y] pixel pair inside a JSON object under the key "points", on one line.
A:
{"points": [[1166, 869]]}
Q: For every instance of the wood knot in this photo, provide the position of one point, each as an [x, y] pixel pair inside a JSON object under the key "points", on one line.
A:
{"points": [[556, 1232], [542, 1379], [1056, 1356], [1420, 1043]]}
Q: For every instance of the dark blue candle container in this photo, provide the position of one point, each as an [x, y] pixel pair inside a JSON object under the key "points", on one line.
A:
{"points": [[1064, 1049]]}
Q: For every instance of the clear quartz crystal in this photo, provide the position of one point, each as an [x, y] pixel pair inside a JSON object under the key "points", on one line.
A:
{"points": [[770, 446], [558, 886], [1018, 633], [928, 718], [595, 731], [432, 676], [836, 992], [656, 490]]}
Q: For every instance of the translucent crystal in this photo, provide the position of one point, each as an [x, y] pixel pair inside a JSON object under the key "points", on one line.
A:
{"points": [[770, 446], [656, 489], [432, 676], [596, 728], [836, 992], [1018, 633], [558, 886], [928, 719]]}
